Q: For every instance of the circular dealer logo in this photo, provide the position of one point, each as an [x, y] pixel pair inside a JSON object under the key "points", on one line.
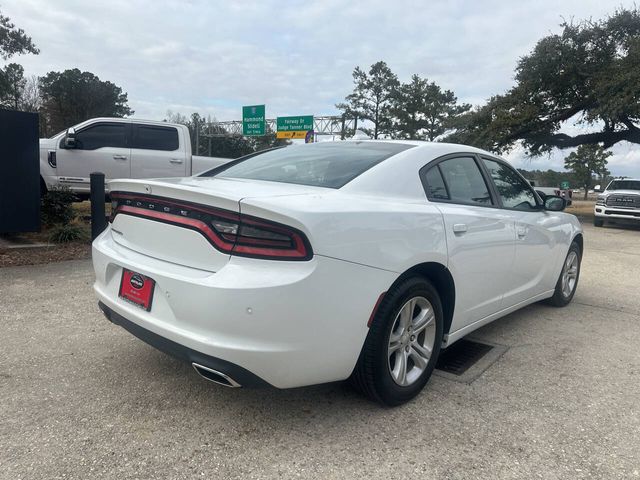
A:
{"points": [[137, 281]]}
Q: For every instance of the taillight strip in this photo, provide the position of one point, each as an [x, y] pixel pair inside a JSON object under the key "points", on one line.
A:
{"points": [[233, 244], [191, 223]]}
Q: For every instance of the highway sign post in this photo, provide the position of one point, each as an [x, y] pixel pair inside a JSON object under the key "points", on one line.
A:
{"points": [[253, 120]]}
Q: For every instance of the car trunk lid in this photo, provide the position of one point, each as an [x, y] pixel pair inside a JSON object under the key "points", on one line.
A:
{"points": [[170, 219]]}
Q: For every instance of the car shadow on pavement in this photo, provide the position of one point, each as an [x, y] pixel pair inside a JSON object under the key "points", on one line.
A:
{"points": [[146, 380], [161, 379]]}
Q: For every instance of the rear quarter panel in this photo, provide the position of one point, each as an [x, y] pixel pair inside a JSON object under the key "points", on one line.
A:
{"points": [[390, 234]]}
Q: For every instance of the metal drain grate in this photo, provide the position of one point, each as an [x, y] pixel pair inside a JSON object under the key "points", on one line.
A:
{"points": [[460, 356]]}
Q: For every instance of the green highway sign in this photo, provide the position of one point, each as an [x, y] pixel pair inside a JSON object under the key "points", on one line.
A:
{"points": [[564, 185], [253, 120], [295, 124]]}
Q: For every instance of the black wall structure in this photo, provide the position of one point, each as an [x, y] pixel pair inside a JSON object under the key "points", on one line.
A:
{"points": [[19, 172]]}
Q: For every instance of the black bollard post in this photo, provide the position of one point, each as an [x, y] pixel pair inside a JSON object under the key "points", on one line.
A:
{"points": [[98, 221]]}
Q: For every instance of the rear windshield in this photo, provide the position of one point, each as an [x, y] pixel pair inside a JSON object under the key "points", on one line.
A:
{"points": [[326, 164], [624, 185]]}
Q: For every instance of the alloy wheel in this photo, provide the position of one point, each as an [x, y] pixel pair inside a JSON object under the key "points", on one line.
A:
{"points": [[411, 341], [570, 274]]}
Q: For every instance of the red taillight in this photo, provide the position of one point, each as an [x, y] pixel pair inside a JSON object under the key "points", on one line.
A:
{"points": [[227, 231]]}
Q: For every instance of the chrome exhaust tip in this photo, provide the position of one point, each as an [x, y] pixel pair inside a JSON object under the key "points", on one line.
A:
{"points": [[215, 376]]}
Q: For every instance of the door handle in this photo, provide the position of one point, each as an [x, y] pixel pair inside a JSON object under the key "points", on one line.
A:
{"points": [[175, 160], [459, 228], [120, 157]]}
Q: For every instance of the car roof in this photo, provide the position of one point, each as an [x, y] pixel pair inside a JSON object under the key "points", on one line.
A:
{"points": [[424, 144]]}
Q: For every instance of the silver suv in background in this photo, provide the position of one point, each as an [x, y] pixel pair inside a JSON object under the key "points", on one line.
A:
{"points": [[620, 200]]}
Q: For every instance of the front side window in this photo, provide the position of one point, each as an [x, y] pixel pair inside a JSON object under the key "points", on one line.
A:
{"points": [[513, 190], [457, 180], [102, 135], [151, 137]]}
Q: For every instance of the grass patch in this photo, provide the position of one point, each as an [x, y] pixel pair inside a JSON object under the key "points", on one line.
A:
{"points": [[70, 232], [83, 209], [581, 208]]}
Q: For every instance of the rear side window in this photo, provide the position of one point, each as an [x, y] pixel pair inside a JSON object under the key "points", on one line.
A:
{"points": [[151, 137], [102, 135], [461, 180], [435, 184], [326, 164]]}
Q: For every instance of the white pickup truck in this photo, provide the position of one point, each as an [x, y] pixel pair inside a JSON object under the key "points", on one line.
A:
{"points": [[553, 191], [119, 148]]}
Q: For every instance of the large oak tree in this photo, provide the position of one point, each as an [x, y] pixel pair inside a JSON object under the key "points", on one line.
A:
{"points": [[590, 74]]}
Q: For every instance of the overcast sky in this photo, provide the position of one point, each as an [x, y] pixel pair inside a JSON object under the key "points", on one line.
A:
{"points": [[296, 57]]}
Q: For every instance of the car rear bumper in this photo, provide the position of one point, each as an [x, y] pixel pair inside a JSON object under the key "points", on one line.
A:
{"points": [[240, 376], [286, 324]]}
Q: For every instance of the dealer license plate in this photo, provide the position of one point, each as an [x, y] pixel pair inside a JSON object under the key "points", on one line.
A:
{"points": [[137, 289]]}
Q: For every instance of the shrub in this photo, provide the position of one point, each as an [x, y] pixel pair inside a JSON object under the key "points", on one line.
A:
{"points": [[56, 206], [70, 232]]}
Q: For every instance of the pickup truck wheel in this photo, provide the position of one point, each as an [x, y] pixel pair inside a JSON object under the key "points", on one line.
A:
{"points": [[597, 222], [568, 281], [403, 343]]}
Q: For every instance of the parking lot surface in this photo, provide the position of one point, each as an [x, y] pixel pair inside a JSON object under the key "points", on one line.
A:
{"points": [[82, 398]]}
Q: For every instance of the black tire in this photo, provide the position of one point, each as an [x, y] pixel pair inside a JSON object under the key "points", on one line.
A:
{"points": [[597, 222], [372, 374], [560, 298]]}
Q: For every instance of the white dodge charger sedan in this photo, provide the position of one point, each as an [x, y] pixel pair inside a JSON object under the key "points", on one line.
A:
{"points": [[322, 262]]}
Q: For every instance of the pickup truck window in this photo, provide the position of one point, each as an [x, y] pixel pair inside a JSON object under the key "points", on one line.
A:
{"points": [[624, 185], [102, 135], [151, 137]]}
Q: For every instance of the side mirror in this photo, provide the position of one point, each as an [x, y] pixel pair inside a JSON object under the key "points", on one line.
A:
{"points": [[70, 138], [597, 189], [554, 203], [541, 194]]}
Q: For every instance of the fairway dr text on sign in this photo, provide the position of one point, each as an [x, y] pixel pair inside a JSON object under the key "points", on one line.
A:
{"points": [[294, 127]]}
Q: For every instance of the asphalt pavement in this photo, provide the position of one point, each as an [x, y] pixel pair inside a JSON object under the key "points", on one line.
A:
{"points": [[82, 398]]}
